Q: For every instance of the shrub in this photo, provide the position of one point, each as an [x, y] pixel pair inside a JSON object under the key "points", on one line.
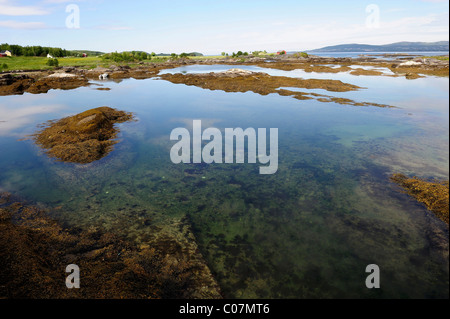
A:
{"points": [[132, 56], [239, 53], [53, 62], [301, 55]]}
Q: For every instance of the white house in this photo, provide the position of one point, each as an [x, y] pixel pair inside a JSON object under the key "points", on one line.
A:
{"points": [[49, 56]]}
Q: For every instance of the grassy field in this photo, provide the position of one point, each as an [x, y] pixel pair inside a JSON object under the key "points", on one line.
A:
{"points": [[440, 57], [40, 63]]}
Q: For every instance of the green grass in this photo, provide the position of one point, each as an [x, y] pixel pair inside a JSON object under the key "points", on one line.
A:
{"points": [[40, 63], [440, 57]]}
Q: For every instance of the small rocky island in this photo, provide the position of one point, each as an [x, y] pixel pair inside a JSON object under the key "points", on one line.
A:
{"points": [[82, 138]]}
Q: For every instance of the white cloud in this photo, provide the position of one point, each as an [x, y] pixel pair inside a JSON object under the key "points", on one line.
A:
{"points": [[8, 9], [23, 25]]}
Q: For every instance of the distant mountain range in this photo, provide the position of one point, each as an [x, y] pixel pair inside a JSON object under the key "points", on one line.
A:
{"points": [[394, 47]]}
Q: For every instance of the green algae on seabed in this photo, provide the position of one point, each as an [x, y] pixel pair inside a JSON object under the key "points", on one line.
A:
{"points": [[305, 233]]}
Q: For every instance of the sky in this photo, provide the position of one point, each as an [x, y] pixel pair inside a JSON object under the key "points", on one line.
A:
{"points": [[212, 27]]}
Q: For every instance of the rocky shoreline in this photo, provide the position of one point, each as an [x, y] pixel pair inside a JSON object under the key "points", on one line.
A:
{"points": [[238, 80], [66, 78]]}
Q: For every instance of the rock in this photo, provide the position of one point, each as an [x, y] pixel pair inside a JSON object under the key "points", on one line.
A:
{"points": [[39, 82], [61, 75], [410, 63], [83, 138], [412, 76], [236, 73], [103, 76]]}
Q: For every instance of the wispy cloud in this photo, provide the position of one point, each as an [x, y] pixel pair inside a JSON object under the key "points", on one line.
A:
{"points": [[9, 9], [23, 25]]}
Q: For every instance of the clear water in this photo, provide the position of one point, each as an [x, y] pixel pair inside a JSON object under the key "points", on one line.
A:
{"points": [[308, 231]]}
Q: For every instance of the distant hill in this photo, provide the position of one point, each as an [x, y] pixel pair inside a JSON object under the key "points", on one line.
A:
{"points": [[394, 47]]}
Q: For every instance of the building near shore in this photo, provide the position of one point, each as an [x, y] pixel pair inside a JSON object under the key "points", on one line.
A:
{"points": [[5, 53]]}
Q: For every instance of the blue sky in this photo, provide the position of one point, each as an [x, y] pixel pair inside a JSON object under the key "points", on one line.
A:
{"points": [[212, 27]]}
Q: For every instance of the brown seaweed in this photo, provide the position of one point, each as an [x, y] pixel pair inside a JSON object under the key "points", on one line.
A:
{"points": [[434, 194], [83, 138]]}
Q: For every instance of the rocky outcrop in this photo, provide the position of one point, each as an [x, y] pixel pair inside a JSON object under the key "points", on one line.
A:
{"points": [[83, 138], [238, 80], [34, 82], [72, 77]]}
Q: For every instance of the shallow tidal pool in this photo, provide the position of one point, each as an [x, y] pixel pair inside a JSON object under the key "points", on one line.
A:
{"points": [[308, 231]]}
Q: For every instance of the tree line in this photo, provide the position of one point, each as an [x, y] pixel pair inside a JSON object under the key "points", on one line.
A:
{"points": [[40, 51]]}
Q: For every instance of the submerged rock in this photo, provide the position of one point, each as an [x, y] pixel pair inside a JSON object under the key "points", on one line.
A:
{"points": [[82, 138], [35, 251]]}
